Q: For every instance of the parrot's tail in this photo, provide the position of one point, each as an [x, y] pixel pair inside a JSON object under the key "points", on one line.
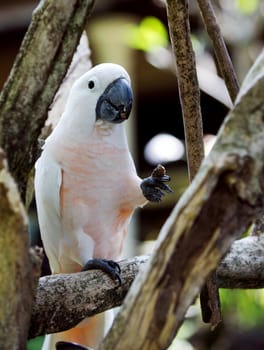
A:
{"points": [[89, 333]]}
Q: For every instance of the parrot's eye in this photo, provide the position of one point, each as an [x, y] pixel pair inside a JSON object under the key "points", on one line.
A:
{"points": [[91, 84]]}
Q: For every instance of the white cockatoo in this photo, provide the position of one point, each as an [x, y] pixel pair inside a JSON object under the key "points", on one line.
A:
{"points": [[86, 184]]}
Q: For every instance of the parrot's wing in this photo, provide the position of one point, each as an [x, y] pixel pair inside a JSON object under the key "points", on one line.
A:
{"points": [[48, 179]]}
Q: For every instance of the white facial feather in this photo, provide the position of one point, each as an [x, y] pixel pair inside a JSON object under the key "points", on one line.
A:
{"points": [[79, 115]]}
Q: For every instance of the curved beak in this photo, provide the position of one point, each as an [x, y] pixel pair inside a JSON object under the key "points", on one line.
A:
{"points": [[115, 104]]}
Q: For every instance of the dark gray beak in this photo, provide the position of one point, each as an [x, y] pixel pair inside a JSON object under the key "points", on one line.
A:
{"points": [[115, 104]]}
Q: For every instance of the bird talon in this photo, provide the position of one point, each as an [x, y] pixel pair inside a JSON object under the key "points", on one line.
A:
{"points": [[66, 345], [110, 267]]}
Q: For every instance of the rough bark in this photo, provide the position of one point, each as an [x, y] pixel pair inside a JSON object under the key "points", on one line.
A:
{"points": [[221, 53], [40, 66], [243, 266], [178, 20], [85, 294], [222, 201], [16, 284], [77, 296]]}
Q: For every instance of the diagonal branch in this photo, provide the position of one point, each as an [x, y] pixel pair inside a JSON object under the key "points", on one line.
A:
{"points": [[223, 199], [39, 68], [222, 56]]}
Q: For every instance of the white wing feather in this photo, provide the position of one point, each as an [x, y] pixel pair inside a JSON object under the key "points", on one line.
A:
{"points": [[47, 191]]}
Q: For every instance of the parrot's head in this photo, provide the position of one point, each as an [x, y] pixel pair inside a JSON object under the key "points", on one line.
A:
{"points": [[103, 93], [115, 103]]}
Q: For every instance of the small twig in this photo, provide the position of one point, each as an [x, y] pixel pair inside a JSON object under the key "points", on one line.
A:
{"points": [[222, 56], [210, 301]]}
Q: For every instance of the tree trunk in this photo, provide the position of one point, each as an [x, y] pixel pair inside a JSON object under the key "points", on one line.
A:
{"points": [[40, 66], [16, 284]]}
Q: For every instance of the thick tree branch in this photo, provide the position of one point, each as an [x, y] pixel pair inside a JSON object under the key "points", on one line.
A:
{"points": [[39, 68], [16, 284], [63, 300], [221, 202], [243, 266]]}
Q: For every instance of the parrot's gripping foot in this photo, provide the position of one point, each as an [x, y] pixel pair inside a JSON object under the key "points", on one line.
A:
{"points": [[110, 267], [65, 345], [153, 185]]}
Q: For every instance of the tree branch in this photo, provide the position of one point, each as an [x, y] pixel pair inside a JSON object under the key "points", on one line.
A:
{"points": [[16, 284], [243, 266], [77, 296], [55, 30], [222, 201], [210, 301], [85, 294], [178, 20], [222, 56]]}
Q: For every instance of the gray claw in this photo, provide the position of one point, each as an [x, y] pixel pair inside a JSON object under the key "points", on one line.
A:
{"points": [[65, 345], [151, 187], [110, 267]]}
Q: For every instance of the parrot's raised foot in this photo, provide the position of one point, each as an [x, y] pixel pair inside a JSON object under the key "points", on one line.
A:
{"points": [[65, 345], [153, 185], [110, 267]]}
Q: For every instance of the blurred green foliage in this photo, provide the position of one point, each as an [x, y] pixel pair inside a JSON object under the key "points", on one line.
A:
{"points": [[247, 7], [243, 308], [149, 34]]}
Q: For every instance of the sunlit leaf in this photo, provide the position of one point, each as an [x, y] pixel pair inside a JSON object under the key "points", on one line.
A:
{"points": [[247, 7], [149, 34]]}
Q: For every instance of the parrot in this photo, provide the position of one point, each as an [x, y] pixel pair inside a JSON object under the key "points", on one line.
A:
{"points": [[87, 187]]}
